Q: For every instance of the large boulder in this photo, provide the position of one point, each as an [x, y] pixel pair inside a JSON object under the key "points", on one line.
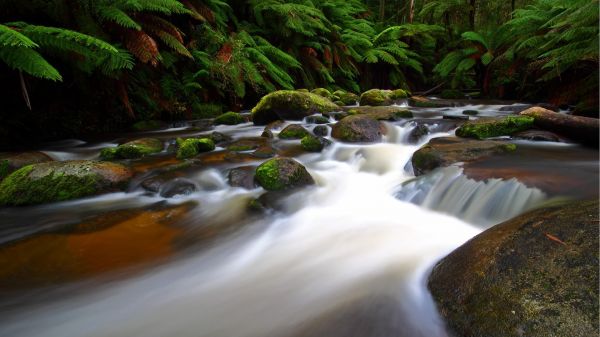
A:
{"points": [[358, 129], [445, 151], [279, 174], [494, 127], [289, 104], [134, 149], [10, 162], [230, 118], [242, 176], [577, 128], [347, 98], [323, 93], [535, 275], [375, 97], [59, 181], [293, 131]]}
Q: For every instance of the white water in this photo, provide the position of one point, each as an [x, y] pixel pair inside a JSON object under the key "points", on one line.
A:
{"points": [[345, 241]]}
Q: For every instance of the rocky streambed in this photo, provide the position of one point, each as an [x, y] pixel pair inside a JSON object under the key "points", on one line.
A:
{"points": [[308, 218]]}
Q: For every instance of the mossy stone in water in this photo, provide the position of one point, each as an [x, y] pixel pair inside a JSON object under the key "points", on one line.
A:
{"points": [[293, 131], [314, 144], [399, 94], [486, 128], [60, 181], [322, 92], [358, 129], [376, 97], [132, 150], [317, 120], [193, 146], [470, 112], [289, 105], [230, 118], [279, 174]]}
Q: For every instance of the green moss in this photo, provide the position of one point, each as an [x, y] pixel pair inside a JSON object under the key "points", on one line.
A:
{"points": [[237, 148], [493, 128], [404, 113], [289, 104], [312, 144], [230, 118], [293, 131], [339, 102], [109, 153], [131, 150], [206, 110], [267, 175], [302, 90], [4, 168], [421, 102], [510, 147], [255, 205], [470, 112], [398, 94], [147, 125], [192, 146], [19, 189], [322, 92], [375, 97]]}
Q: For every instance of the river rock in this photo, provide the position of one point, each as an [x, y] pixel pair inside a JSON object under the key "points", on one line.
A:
{"points": [[10, 162], [424, 102], [218, 137], [191, 147], [535, 275], [242, 176], [347, 98], [419, 131], [279, 174], [178, 186], [132, 150], [538, 135], [321, 130], [323, 93], [358, 129], [317, 120], [391, 113], [314, 144], [378, 97], [494, 127], [580, 129], [445, 151], [293, 131], [230, 118], [517, 108], [289, 104], [59, 181]]}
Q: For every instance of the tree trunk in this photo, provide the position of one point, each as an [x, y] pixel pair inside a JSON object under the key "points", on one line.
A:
{"points": [[381, 10], [411, 11], [580, 129], [472, 14], [512, 8]]}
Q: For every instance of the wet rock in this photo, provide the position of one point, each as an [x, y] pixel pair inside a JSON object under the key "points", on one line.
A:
{"points": [[267, 133], [346, 98], [314, 144], [132, 150], [191, 147], [470, 112], [538, 135], [218, 137], [419, 131], [261, 146], [275, 125], [279, 174], [321, 130], [59, 181], [494, 127], [518, 108], [289, 105], [317, 120], [230, 118], [10, 162], [390, 113], [242, 177], [322, 92], [179, 186], [445, 151], [580, 129], [535, 275], [293, 131], [455, 117], [424, 102], [376, 97], [358, 129]]}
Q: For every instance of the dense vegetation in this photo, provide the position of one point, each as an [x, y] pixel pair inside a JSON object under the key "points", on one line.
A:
{"points": [[71, 67]]}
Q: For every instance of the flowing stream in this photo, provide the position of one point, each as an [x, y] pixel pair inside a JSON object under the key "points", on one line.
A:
{"points": [[347, 257]]}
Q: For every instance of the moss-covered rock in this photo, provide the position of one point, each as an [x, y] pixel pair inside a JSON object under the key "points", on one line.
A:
{"points": [[147, 125], [445, 151], [486, 128], [376, 97], [399, 94], [535, 275], [390, 113], [424, 102], [317, 120], [191, 147], [132, 150], [59, 181], [230, 118], [10, 162], [346, 98], [314, 144], [279, 174], [358, 129], [289, 104], [321, 130], [322, 92], [470, 112], [293, 131], [452, 94]]}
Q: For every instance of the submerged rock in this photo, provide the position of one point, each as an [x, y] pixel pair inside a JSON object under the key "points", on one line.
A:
{"points": [[10, 162], [242, 176], [60, 181], [230, 118], [132, 150], [494, 127], [358, 129], [578, 128], [321, 130], [289, 104], [419, 131], [279, 174], [445, 151], [534, 275], [293, 131], [178, 186]]}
